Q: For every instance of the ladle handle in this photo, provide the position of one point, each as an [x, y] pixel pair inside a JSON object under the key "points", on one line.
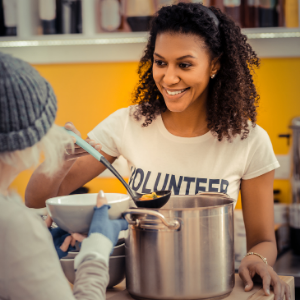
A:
{"points": [[174, 224], [84, 145], [91, 150]]}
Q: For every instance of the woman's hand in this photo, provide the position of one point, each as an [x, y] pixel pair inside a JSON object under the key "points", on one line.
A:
{"points": [[250, 266], [63, 241], [78, 151]]}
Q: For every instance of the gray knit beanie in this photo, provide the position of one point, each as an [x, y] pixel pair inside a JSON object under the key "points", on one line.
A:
{"points": [[27, 104]]}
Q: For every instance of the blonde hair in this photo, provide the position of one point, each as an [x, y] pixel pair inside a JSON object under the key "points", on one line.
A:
{"points": [[52, 146]]}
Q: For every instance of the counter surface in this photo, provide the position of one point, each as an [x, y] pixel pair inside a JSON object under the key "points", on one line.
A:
{"points": [[238, 293]]}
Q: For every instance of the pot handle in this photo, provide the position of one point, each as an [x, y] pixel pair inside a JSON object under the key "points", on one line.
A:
{"points": [[214, 193], [174, 224]]}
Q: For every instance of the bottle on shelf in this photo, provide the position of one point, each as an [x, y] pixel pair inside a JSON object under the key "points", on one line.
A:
{"points": [[250, 13], [233, 9], [47, 11], [291, 13], [10, 17], [280, 13], [69, 16], [252, 18], [139, 14], [267, 13], [58, 20], [79, 17], [2, 26]]}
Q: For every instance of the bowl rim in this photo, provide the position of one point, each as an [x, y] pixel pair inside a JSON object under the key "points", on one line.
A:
{"points": [[111, 257], [49, 201]]}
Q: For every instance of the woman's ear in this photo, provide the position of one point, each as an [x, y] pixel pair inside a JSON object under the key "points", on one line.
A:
{"points": [[215, 65]]}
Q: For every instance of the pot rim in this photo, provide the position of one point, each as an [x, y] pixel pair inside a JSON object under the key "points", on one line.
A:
{"points": [[231, 203]]}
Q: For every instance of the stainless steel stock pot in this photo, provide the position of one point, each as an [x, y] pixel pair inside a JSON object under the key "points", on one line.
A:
{"points": [[184, 250]]}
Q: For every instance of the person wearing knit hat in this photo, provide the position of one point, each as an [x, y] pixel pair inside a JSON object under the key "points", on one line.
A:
{"points": [[29, 265], [28, 105]]}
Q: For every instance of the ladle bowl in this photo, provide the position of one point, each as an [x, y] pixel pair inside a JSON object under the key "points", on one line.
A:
{"points": [[155, 203]]}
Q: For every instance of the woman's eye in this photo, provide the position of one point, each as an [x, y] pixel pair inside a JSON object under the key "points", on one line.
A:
{"points": [[184, 66], [159, 63]]}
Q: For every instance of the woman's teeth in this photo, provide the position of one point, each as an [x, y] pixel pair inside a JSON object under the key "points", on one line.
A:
{"points": [[175, 93]]}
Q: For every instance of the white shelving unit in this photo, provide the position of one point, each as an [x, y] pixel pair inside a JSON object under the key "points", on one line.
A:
{"points": [[107, 47]]}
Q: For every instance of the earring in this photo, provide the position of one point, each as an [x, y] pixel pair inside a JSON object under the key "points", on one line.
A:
{"points": [[212, 76]]}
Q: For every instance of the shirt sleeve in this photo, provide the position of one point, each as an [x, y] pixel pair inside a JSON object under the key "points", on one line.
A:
{"points": [[33, 268], [109, 133], [261, 157]]}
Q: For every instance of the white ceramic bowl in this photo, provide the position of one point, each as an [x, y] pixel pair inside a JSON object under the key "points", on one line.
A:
{"points": [[74, 213], [116, 269]]}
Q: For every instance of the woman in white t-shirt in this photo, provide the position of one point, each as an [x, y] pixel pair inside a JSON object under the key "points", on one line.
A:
{"points": [[192, 129]]}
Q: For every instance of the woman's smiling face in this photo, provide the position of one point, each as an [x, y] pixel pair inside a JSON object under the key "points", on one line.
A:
{"points": [[181, 70]]}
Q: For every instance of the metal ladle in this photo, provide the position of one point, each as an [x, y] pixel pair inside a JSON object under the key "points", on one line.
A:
{"points": [[155, 203]]}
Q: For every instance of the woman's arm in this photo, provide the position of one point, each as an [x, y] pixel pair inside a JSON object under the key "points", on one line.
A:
{"points": [[78, 169], [258, 212], [72, 175]]}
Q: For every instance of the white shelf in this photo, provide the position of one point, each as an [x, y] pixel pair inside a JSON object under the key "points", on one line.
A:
{"points": [[108, 47]]}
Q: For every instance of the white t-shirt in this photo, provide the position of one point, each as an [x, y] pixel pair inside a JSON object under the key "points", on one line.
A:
{"points": [[160, 160]]}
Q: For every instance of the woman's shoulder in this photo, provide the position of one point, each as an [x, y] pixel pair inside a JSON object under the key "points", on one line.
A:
{"points": [[256, 133], [252, 137], [127, 115], [122, 114]]}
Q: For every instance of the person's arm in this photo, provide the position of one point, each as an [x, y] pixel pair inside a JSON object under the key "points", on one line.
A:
{"points": [[33, 269], [73, 174], [258, 212]]}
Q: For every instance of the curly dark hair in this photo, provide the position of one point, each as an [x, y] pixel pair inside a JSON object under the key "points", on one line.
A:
{"points": [[232, 98]]}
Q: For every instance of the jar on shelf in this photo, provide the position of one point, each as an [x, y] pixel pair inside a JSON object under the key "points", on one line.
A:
{"points": [[139, 14]]}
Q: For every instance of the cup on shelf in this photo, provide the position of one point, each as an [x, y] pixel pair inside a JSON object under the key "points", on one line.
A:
{"points": [[47, 14]]}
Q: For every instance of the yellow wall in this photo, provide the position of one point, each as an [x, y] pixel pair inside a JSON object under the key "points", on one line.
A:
{"points": [[87, 93]]}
